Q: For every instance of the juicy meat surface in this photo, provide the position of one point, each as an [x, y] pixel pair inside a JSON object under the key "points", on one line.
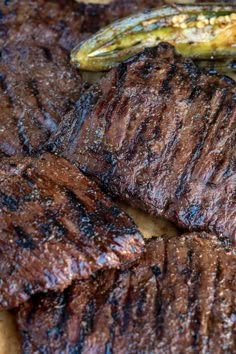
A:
{"points": [[37, 83], [61, 22], [180, 298], [38, 87], [160, 134], [56, 226]]}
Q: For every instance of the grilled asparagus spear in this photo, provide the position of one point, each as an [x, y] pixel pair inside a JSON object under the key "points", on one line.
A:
{"points": [[197, 31]]}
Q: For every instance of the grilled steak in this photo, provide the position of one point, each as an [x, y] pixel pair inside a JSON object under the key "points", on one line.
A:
{"points": [[180, 298], [56, 226], [160, 134], [61, 22], [37, 83], [37, 87]]}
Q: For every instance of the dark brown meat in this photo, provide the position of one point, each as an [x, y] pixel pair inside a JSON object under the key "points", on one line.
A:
{"points": [[60, 22], [160, 134], [56, 226], [37, 87], [37, 83], [180, 298]]}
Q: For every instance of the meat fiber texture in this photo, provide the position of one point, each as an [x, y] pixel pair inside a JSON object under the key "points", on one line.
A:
{"points": [[180, 298], [56, 226], [160, 134], [38, 85]]}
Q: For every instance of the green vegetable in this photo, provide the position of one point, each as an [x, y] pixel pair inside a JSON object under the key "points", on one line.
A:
{"points": [[198, 31]]}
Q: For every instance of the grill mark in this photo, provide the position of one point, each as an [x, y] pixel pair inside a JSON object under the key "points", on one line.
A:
{"points": [[126, 309], [138, 138], [24, 240], [85, 222], [84, 108], [159, 312], [193, 303], [141, 302], [24, 139], [195, 76], [143, 128], [86, 327], [62, 230], [231, 168], [47, 53], [3, 84], [165, 86], [33, 86], [62, 313], [77, 205], [111, 170], [115, 315], [220, 161], [31, 183], [120, 83], [59, 232], [165, 262], [4, 87], [216, 281], [197, 150], [121, 77], [10, 202], [168, 148]]}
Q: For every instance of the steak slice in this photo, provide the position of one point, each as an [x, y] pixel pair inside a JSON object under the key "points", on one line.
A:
{"points": [[160, 134], [63, 22], [180, 298], [56, 226], [37, 83], [38, 87]]}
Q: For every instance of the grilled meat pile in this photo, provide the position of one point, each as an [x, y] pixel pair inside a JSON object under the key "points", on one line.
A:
{"points": [[56, 226], [156, 132], [179, 298], [37, 83], [160, 134]]}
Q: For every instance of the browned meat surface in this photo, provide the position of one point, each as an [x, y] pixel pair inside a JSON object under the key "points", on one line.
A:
{"points": [[37, 83], [56, 226], [180, 298], [60, 22], [37, 87], [160, 134]]}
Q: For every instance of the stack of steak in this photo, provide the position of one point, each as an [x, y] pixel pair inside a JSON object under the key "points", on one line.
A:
{"points": [[157, 133]]}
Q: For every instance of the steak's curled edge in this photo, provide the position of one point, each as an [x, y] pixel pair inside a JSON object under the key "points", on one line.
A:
{"points": [[160, 134], [56, 226], [180, 298]]}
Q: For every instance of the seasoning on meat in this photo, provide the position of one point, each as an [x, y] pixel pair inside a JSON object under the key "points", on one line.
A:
{"points": [[180, 298], [56, 226], [37, 83], [196, 31], [160, 134]]}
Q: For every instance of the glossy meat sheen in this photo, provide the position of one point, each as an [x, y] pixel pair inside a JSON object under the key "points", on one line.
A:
{"points": [[56, 226], [62, 22], [38, 87], [37, 83], [160, 134], [180, 298]]}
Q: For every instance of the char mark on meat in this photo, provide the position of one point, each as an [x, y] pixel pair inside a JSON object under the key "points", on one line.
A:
{"points": [[37, 83], [56, 226], [161, 135], [180, 297]]}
